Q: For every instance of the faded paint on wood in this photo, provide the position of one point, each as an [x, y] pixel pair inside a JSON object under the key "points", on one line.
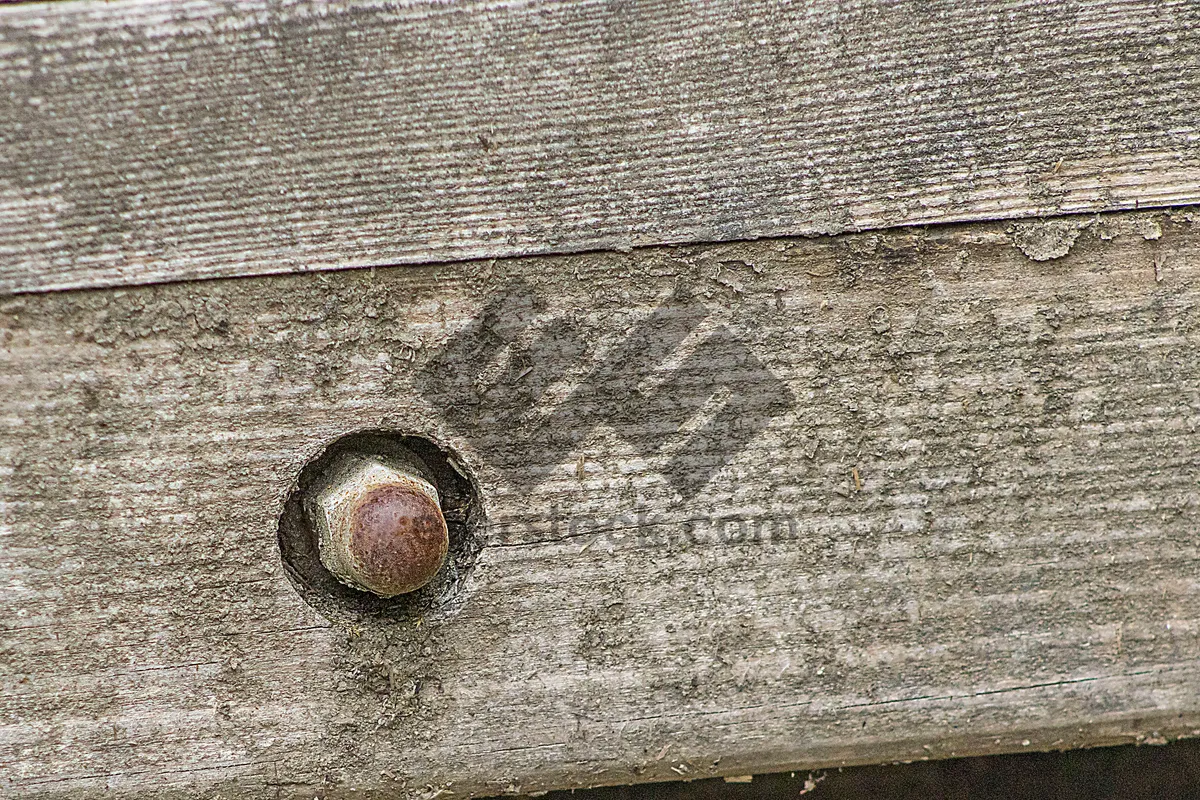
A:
{"points": [[154, 141], [962, 521]]}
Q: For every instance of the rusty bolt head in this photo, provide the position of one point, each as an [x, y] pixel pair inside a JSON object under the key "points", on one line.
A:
{"points": [[380, 526]]}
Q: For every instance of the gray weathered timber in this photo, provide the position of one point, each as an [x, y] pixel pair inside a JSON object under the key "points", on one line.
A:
{"points": [[953, 511], [159, 141]]}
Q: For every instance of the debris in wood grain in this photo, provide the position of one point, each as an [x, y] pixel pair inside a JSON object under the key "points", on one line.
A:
{"points": [[879, 320], [1045, 240], [811, 781], [857, 480], [1148, 227]]}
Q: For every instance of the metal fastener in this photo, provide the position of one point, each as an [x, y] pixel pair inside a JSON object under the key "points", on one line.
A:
{"points": [[380, 526]]}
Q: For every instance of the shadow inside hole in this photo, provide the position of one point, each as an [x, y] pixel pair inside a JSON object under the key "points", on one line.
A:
{"points": [[460, 505]]}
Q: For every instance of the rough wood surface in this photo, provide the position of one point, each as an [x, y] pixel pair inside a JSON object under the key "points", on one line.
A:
{"points": [[749, 507], [158, 141]]}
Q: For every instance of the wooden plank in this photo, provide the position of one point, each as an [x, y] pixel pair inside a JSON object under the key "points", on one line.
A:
{"points": [[160, 141], [749, 507]]}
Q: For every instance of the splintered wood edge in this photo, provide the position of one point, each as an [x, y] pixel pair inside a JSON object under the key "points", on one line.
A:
{"points": [[153, 142]]}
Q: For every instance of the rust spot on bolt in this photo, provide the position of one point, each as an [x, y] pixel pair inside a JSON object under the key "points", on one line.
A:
{"points": [[398, 539], [379, 526]]}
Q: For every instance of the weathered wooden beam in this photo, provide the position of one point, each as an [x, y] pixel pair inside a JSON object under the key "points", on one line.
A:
{"points": [[161, 141], [743, 507]]}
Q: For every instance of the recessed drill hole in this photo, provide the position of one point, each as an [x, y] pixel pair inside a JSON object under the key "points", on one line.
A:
{"points": [[298, 529]]}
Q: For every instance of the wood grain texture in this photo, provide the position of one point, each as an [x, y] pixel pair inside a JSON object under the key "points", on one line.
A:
{"points": [[963, 520], [159, 141]]}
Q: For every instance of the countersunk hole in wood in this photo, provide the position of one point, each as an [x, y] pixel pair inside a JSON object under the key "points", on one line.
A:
{"points": [[299, 544]]}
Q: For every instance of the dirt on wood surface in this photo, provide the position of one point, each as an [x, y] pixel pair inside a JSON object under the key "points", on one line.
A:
{"points": [[745, 508]]}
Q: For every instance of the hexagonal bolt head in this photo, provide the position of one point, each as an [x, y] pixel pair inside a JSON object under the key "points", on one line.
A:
{"points": [[380, 526]]}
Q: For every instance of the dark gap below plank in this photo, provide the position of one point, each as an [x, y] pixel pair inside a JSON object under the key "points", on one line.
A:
{"points": [[1169, 772]]}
